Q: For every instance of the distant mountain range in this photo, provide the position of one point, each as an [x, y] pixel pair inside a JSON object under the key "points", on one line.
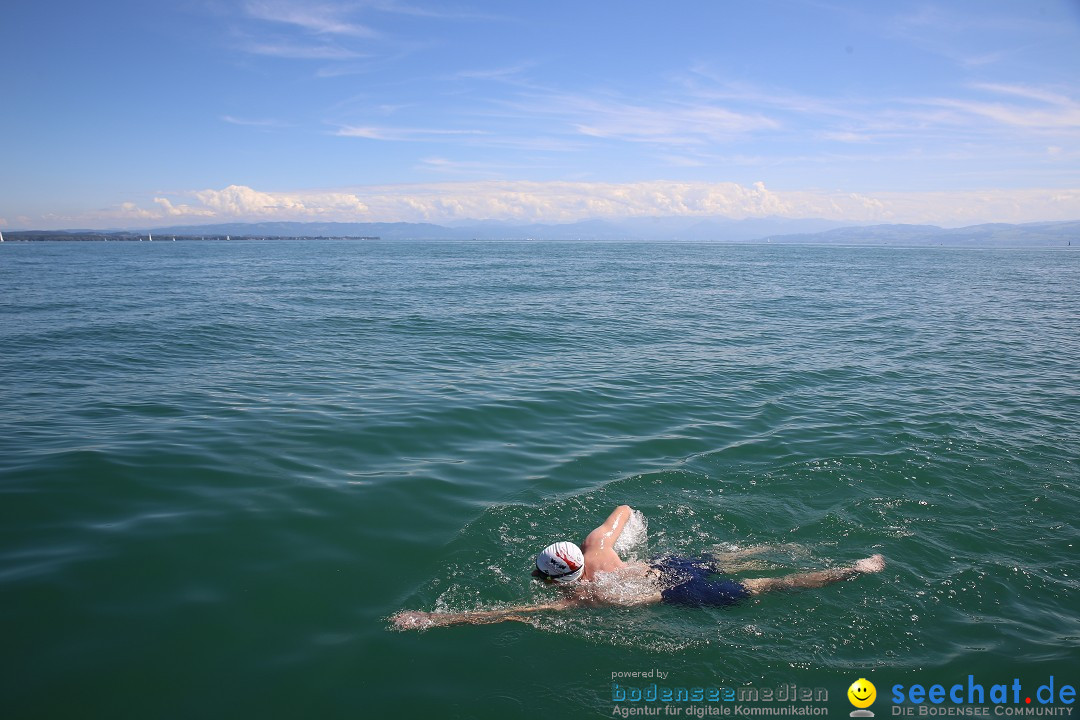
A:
{"points": [[771, 230], [775, 230], [671, 228], [990, 235]]}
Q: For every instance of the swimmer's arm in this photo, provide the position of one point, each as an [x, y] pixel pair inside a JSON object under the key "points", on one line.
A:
{"points": [[418, 620], [606, 535]]}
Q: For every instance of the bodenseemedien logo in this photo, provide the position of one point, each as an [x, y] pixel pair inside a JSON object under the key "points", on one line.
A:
{"points": [[862, 694]]}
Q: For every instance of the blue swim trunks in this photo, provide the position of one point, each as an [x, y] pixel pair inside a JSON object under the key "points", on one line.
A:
{"points": [[696, 582]]}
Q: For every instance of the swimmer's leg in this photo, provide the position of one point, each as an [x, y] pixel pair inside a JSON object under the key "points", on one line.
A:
{"points": [[821, 578]]}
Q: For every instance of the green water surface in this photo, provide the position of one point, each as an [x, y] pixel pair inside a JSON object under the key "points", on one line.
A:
{"points": [[223, 466]]}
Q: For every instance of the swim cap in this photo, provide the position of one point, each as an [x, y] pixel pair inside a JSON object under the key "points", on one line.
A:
{"points": [[561, 561]]}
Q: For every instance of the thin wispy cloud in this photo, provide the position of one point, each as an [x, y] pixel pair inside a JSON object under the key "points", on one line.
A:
{"points": [[394, 100], [459, 13], [344, 70], [513, 72], [319, 19], [698, 109], [669, 122], [682, 161], [943, 19], [979, 40], [252, 122], [493, 137], [1028, 92], [466, 168], [705, 84], [289, 29], [847, 137], [866, 120], [402, 134], [696, 123], [298, 51], [1049, 110]]}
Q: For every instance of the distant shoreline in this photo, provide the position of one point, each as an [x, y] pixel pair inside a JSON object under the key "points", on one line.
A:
{"points": [[678, 229], [46, 236]]}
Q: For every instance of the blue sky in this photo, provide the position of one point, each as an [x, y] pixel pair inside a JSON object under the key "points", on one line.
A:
{"points": [[145, 114]]}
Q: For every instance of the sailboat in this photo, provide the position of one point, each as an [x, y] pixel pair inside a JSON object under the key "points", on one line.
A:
{"points": [[1, 236], [149, 236]]}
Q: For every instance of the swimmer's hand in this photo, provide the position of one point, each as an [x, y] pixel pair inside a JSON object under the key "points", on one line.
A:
{"points": [[412, 620], [872, 564], [419, 620]]}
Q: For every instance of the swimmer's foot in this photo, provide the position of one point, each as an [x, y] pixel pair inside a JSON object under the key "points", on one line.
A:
{"points": [[872, 564], [820, 578]]}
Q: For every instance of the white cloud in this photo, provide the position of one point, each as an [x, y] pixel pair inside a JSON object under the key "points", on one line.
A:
{"points": [[510, 73], [1065, 116], [400, 134], [232, 120], [320, 19], [977, 39], [301, 52], [238, 201], [686, 121], [1030, 93], [683, 161], [131, 211], [569, 201], [996, 113], [847, 137], [460, 168], [447, 13], [171, 210], [335, 71]]}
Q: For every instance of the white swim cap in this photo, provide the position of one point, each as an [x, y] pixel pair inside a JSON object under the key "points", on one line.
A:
{"points": [[561, 561]]}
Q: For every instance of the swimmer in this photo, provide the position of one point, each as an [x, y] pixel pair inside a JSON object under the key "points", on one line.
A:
{"points": [[594, 575]]}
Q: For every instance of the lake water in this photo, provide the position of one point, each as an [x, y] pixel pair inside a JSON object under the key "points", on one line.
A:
{"points": [[224, 465]]}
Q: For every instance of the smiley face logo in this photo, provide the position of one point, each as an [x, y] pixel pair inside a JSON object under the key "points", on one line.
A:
{"points": [[862, 693]]}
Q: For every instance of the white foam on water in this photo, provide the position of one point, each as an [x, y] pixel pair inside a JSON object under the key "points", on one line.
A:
{"points": [[627, 587], [633, 543]]}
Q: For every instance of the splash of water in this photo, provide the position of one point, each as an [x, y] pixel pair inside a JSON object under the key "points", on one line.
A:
{"points": [[634, 541]]}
